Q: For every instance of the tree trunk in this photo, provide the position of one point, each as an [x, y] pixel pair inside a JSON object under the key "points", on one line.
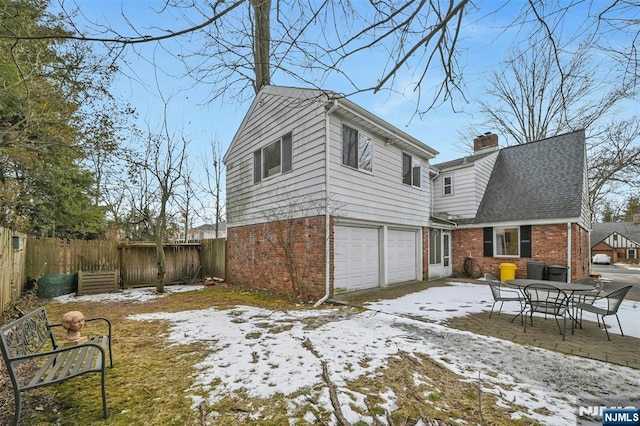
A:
{"points": [[261, 43]]}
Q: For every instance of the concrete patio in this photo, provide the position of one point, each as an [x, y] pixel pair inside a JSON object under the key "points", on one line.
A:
{"points": [[589, 342]]}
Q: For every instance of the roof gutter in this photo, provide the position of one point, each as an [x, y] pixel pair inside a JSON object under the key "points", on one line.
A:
{"points": [[386, 127], [327, 215]]}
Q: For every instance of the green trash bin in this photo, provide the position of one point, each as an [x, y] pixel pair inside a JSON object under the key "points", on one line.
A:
{"points": [[508, 271]]}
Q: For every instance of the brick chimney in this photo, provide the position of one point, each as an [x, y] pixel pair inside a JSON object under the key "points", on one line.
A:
{"points": [[486, 141]]}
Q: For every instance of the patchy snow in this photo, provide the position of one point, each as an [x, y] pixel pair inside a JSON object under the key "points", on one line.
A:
{"points": [[134, 295], [265, 352]]}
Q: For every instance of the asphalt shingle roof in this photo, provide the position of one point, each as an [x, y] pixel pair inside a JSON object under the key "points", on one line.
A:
{"points": [[537, 180], [600, 231]]}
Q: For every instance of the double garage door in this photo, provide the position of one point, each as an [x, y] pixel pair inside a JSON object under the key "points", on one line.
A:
{"points": [[363, 254]]}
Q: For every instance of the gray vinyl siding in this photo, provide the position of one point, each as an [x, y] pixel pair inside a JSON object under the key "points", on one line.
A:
{"points": [[271, 117], [380, 195]]}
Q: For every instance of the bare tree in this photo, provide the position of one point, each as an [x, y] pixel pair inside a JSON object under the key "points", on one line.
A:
{"points": [[614, 163], [539, 94], [214, 169], [186, 198], [287, 227], [162, 161], [242, 45]]}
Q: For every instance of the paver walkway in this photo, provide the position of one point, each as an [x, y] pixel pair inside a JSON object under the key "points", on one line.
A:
{"points": [[590, 341]]}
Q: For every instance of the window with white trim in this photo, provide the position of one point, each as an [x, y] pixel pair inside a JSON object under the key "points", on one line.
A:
{"points": [[410, 170], [513, 241], [273, 159], [447, 185], [357, 149], [507, 241]]}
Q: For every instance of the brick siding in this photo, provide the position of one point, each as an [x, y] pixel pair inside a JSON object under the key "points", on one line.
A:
{"points": [[549, 244], [260, 256]]}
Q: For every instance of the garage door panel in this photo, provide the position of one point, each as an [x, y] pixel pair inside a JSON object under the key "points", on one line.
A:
{"points": [[402, 255], [356, 258]]}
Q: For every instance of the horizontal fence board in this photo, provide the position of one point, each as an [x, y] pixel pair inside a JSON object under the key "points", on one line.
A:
{"points": [[96, 282]]}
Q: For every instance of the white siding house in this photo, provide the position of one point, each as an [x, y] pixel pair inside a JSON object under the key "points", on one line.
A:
{"points": [[324, 197], [359, 212]]}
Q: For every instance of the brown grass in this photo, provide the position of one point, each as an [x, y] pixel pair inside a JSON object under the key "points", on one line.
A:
{"points": [[148, 383]]}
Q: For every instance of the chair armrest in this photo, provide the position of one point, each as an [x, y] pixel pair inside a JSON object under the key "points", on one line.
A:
{"points": [[511, 290], [57, 324], [101, 319]]}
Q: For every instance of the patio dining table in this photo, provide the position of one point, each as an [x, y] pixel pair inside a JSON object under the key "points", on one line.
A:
{"points": [[566, 287]]}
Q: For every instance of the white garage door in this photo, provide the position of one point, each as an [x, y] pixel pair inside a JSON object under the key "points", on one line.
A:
{"points": [[402, 255], [356, 258]]}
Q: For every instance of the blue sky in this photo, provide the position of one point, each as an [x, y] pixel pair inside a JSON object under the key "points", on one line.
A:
{"points": [[150, 74], [201, 120]]}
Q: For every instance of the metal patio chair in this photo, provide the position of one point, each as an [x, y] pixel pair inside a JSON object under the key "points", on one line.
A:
{"points": [[613, 301], [548, 300], [586, 297], [502, 294]]}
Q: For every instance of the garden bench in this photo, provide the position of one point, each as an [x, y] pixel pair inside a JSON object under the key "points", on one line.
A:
{"points": [[34, 359]]}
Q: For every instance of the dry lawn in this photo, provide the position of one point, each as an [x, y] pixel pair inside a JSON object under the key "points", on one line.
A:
{"points": [[148, 383]]}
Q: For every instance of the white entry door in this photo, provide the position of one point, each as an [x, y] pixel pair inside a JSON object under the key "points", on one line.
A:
{"points": [[356, 258], [402, 252], [439, 253]]}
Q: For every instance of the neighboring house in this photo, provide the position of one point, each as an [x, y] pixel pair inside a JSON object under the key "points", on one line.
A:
{"points": [[517, 204], [619, 240], [208, 231], [324, 197], [205, 232]]}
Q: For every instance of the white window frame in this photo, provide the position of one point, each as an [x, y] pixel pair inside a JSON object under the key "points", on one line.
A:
{"points": [[501, 243], [363, 140], [260, 171], [415, 166], [449, 185]]}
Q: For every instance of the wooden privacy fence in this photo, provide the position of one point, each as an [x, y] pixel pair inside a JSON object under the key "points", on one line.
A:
{"points": [[23, 257], [12, 266], [185, 262], [213, 257]]}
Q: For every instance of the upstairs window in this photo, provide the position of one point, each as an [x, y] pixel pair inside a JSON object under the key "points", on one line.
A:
{"points": [[273, 159], [356, 149], [410, 170], [447, 185]]}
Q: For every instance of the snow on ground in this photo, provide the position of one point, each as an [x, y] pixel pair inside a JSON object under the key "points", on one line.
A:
{"points": [[266, 352]]}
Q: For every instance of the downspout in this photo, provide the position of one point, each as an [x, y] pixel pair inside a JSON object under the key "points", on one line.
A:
{"points": [[432, 190], [569, 246], [327, 216]]}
